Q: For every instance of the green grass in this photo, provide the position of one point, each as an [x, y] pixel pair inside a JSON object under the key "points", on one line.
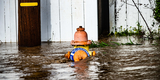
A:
{"points": [[155, 44], [116, 43], [98, 44], [103, 44], [130, 43]]}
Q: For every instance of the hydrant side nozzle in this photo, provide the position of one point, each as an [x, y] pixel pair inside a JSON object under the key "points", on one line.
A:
{"points": [[94, 53], [68, 55]]}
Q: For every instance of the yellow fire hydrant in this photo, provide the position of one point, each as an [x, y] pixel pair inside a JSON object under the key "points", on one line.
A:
{"points": [[81, 46]]}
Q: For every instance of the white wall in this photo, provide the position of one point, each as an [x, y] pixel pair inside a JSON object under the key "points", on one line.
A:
{"points": [[112, 15], [8, 25], [59, 19], [128, 15], [45, 20], [67, 15]]}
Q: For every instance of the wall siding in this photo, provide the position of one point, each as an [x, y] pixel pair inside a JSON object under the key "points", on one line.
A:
{"points": [[2, 28], [121, 20], [59, 19], [127, 15], [55, 20], [65, 20], [8, 21], [91, 25], [77, 15], [45, 20], [112, 15], [132, 16], [67, 15], [12, 17]]}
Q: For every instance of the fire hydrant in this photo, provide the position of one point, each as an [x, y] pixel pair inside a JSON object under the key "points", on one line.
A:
{"points": [[81, 46]]}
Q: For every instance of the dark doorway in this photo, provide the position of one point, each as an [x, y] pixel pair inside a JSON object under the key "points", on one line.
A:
{"points": [[103, 18]]}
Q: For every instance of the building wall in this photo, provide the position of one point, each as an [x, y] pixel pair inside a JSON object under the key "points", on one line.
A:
{"points": [[67, 15], [112, 21], [8, 21], [59, 19], [124, 13]]}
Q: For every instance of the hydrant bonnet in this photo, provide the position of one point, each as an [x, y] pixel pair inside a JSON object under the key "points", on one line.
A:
{"points": [[80, 37]]}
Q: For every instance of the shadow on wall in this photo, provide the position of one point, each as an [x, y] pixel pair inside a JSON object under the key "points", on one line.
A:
{"points": [[45, 20]]}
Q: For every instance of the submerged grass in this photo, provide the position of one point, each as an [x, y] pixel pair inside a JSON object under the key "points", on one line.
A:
{"points": [[103, 44], [98, 44], [130, 43], [155, 44], [116, 43]]}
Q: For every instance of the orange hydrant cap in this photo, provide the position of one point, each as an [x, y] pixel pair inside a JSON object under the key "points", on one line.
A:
{"points": [[80, 34], [80, 37]]}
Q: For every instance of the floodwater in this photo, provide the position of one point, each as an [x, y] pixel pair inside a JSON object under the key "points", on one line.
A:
{"points": [[47, 62]]}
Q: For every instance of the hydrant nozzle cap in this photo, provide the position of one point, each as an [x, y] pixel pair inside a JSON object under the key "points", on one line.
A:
{"points": [[80, 28]]}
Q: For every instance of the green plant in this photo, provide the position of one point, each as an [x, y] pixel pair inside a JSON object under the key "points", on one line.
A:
{"points": [[98, 44], [155, 44], [121, 28], [153, 24], [139, 30], [129, 32], [104, 52], [93, 45], [157, 11], [151, 35], [122, 33], [112, 33], [116, 43], [103, 44], [130, 43], [139, 26]]}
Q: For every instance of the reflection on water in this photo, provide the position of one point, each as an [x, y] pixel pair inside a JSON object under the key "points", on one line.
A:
{"points": [[47, 62]]}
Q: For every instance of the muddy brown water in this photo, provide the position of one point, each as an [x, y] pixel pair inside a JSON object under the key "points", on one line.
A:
{"points": [[47, 62]]}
